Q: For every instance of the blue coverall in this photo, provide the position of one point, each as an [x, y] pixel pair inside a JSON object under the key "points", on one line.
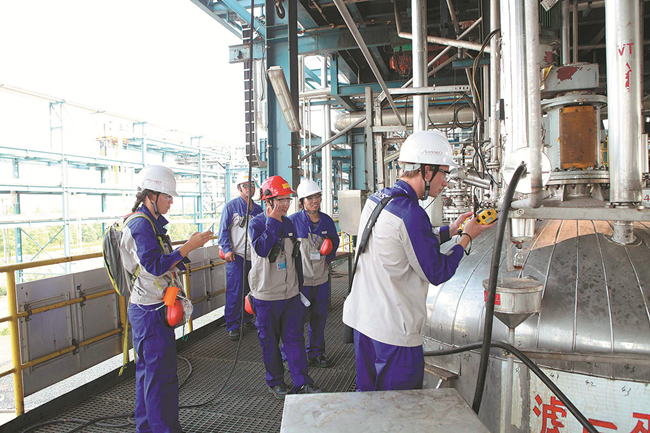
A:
{"points": [[231, 238]]}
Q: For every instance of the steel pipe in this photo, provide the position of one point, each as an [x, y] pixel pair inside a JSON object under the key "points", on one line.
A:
{"points": [[495, 90], [344, 131], [419, 25], [566, 15], [444, 51], [326, 174], [349, 21], [534, 112], [624, 87], [574, 16]]}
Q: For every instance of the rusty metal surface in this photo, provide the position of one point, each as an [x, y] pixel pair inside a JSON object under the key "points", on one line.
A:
{"points": [[578, 137]]}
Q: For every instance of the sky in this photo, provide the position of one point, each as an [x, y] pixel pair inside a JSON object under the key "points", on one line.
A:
{"points": [[163, 61]]}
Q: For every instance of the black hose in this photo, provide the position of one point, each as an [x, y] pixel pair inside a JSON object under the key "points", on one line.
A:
{"points": [[492, 288], [534, 368]]}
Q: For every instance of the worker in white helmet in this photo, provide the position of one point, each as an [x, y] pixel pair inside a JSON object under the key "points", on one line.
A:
{"points": [[147, 253], [319, 241], [232, 235], [387, 304]]}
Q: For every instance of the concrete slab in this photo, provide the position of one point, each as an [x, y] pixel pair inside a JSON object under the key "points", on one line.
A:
{"points": [[427, 410]]}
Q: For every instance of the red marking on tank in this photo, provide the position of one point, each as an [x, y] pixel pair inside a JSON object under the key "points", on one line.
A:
{"points": [[566, 72], [548, 57]]}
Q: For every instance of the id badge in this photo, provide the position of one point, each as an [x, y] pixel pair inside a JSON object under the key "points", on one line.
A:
{"points": [[304, 300], [282, 266], [314, 255]]}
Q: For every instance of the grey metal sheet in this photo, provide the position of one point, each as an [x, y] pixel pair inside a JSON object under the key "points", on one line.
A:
{"points": [[628, 313], [427, 410], [593, 331], [558, 299]]}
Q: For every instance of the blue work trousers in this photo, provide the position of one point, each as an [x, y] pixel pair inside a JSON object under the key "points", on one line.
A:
{"points": [[234, 287], [318, 298], [384, 367], [156, 381], [282, 320]]}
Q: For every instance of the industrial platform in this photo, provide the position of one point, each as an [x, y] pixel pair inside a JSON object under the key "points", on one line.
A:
{"points": [[246, 405]]}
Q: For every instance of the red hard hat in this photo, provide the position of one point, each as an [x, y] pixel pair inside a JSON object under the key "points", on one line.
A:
{"points": [[275, 186], [173, 314], [248, 305], [326, 247]]}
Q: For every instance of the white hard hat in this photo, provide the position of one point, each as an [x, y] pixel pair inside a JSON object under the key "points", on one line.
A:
{"points": [[159, 179], [426, 147], [243, 178], [308, 187]]}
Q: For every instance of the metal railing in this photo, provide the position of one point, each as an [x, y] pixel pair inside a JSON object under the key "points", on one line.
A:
{"points": [[14, 316]]}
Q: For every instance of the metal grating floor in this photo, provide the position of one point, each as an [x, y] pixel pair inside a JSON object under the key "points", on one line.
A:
{"points": [[246, 404]]}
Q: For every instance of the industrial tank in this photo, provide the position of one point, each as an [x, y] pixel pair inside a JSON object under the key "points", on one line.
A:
{"points": [[592, 334]]}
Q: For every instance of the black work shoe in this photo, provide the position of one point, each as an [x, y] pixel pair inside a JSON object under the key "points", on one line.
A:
{"points": [[234, 335], [250, 325], [285, 364], [309, 388], [280, 391], [320, 361]]}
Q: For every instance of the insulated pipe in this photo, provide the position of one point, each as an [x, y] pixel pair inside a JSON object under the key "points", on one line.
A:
{"points": [[438, 115], [419, 24], [566, 51], [349, 21], [624, 67], [534, 112], [327, 151], [495, 91]]}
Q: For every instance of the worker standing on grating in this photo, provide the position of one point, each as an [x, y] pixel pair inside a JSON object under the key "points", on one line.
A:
{"points": [[319, 241], [387, 303], [232, 235], [275, 281], [147, 254]]}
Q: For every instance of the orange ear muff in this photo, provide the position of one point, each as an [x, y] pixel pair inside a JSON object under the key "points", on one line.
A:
{"points": [[173, 314], [248, 305], [221, 254], [326, 247]]}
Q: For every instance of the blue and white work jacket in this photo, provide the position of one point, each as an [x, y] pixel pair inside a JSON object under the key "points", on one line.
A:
{"points": [[140, 245], [388, 298], [315, 266], [232, 228], [282, 278]]}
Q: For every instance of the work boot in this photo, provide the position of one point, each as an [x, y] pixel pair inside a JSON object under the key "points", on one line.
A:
{"points": [[309, 388], [320, 361], [234, 335], [250, 325], [280, 391]]}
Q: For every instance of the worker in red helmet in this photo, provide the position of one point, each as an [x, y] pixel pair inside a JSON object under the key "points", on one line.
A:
{"points": [[275, 281], [147, 253], [315, 230]]}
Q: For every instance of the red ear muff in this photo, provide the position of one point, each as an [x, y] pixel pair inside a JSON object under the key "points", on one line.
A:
{"points": [[221, 254], [248, 305], [326, 247], [173, 315]]}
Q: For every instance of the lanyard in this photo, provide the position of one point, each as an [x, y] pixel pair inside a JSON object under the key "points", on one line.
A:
{"points": [[310, 228]]}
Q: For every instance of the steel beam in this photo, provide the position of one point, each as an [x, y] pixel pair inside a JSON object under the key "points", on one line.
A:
{"points": [[217, 18]]}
